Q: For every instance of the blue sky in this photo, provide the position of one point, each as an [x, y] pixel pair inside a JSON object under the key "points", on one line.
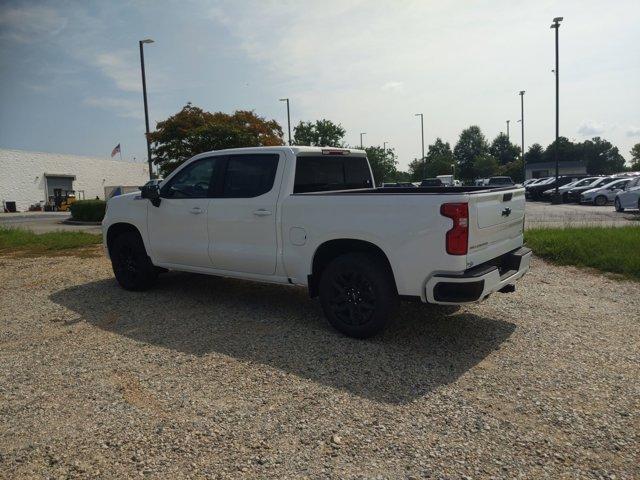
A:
{"points": [[70, 78]]}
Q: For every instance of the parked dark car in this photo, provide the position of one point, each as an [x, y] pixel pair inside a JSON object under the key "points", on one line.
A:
{"points": [[500, 181], [431, 182], [574, 194], [397, 185], [535, 192]]}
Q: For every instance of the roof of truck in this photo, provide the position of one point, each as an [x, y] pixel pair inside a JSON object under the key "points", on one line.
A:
{"points": [[279, 148]]}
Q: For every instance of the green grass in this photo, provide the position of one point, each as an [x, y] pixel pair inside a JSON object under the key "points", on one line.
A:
{"points": [[615, 250], [14, 240]]}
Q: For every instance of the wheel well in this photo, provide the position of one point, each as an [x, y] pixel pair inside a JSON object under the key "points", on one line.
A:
{"points": [[118, 229], [333, 249]]}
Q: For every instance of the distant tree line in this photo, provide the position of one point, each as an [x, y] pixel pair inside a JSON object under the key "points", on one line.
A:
{"points": [[193, 130]]}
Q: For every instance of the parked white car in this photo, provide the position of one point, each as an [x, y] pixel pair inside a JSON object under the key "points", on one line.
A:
{"points": [[629, 198], [564, 190], [311, 216], [606, 193]]}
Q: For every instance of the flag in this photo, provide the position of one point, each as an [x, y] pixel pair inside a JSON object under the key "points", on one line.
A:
{"points": [[115, 151]]}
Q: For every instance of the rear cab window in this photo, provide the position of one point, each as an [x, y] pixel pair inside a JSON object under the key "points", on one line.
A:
{"points": [[324, 173]]}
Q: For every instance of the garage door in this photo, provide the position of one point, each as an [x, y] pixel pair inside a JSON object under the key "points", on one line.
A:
{"points": [[63, 183]]}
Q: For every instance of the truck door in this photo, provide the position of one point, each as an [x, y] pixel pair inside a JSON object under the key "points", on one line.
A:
{"points": [[178, 231], [242, 221]]}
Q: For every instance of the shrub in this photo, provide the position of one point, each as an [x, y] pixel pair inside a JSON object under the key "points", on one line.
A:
{"points": [[88, 210]]}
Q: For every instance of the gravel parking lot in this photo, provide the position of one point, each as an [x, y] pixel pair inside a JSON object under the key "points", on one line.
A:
{"points": [[216, 378], [543, 214]]}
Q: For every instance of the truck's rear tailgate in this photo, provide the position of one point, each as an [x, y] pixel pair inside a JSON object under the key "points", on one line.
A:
{"points": [[496, 222]]}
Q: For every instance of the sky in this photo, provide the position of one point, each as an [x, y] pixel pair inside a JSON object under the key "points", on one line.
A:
{"points": [[70, 70]]}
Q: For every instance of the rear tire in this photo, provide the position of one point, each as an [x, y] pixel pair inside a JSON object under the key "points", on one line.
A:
{"points": [[358, 294], [131, 264], [600, 201], [618, 205]]}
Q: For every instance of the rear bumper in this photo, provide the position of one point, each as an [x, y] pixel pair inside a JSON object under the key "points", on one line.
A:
{"points": [[477, 283]]}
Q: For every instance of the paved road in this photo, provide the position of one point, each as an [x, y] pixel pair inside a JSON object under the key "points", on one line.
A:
{"points": [[539, 214], [41, 222]]}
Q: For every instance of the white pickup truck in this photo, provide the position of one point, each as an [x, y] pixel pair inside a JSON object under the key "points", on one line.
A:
{"points": [[312, 217]]}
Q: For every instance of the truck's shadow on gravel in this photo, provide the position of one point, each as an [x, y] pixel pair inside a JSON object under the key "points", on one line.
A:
{"points": [[281, 327]]}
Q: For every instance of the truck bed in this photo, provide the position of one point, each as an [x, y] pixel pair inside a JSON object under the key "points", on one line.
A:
{"points": [[413, 191]]}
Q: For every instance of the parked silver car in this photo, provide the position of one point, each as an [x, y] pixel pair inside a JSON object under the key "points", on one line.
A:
{"points": [[629, 197], [606, 193]]}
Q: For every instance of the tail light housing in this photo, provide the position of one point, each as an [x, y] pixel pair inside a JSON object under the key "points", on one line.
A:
{"points": [[458, 236]]}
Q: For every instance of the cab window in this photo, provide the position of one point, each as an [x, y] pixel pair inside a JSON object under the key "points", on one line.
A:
{"points": [[193, 181]]}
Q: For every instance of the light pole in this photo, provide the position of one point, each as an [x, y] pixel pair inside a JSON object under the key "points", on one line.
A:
{"points": [[422, 140], [288, 118], [146, 108], [508, 129], [361, 144], [556, 26], [524, 167]]}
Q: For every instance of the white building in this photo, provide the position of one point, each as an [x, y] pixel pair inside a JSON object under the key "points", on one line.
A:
{"points": [[28, 178]]}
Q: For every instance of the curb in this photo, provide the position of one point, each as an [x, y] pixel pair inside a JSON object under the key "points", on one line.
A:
{"points": [[77, 222]]}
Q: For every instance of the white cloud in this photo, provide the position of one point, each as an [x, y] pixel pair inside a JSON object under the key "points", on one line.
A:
{"points": [[590, 128], [633, 131], [123, 107], [393, 86], [30, 24], [121, 67]]}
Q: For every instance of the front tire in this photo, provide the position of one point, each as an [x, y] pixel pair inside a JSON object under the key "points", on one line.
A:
{"points": [[358, 294], [131, 264], [618, 205], [600, 201]]}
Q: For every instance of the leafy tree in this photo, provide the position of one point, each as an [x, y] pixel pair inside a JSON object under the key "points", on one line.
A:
{"points": [[535, 154], [503, 150], [514, 170], [485, 165], [193, 130], [417, 170], [601, 157], [635, 157], [567, 151], [471, 144], [383, 164], [322, 133]]}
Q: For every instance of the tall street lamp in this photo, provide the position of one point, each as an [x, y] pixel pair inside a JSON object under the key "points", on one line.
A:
{"points": [[524, 167], [146, 108], [508, 129], [361, 144], [556, 26], [422, 140], [288, 118]]}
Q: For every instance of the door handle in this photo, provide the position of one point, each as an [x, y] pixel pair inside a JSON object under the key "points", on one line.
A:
{"points": [[261, 212], [196, 210]]}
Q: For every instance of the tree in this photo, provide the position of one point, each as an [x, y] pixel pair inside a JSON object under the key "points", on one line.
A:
{"points": [[567, 151], [471, 144], [601, 157], [193, 130], [635, 157], [503, 150], [383, 164], [485, 165], [417, 170], [514, 170], [322, 133], [535, 154]]}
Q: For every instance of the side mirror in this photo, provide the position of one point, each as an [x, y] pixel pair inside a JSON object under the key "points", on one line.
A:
{"points": [[151, 192]]}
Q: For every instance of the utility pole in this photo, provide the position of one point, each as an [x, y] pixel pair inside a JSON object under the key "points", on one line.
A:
{"points": [[288, 118], [361, 144], [146, 108], [556, 26], [508, 129], [422, 142], [524, 166]]}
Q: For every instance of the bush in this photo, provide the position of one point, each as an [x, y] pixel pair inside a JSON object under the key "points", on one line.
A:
{"points": [[88, 210]]}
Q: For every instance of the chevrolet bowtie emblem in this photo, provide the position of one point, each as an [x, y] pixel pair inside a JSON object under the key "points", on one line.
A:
{"points": [[506, 212]]}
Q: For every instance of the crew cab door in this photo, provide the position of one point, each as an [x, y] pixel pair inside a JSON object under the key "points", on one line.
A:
{"points": [[242, 221], [178, 232]]}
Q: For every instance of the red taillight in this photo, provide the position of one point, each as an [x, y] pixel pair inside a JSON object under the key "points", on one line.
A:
{"points": [[458, 236]]}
